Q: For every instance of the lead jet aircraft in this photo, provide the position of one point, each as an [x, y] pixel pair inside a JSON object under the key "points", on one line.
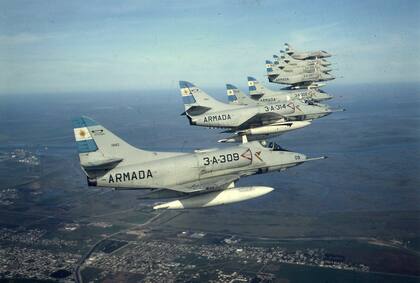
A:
{"points": [[302, 79], [259, 92], [305, 55], [200, 179], [203, 110]]}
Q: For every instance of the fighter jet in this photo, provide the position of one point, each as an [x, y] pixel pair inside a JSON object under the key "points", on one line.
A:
{"points": [[236, 96], [202, 178], [305, 55], [293, 62], [203, 110], [259, 92], [274, 76], [299, 68]]}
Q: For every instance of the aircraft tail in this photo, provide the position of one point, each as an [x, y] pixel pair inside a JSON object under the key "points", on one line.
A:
{"points": [[278, 62], [195, 100], [235, 96], [283, 58], [286, 57], [270, 72], [289, 49], [257, 90], [100, 150], [276, 59]]}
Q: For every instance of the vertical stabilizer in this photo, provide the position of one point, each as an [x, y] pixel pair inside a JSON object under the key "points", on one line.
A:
{"points": [[194, 97], [235, 96], [100, 149]]}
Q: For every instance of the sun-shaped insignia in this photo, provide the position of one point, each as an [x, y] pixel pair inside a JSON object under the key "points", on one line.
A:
{"points": [[82, 133], [186, 91]]}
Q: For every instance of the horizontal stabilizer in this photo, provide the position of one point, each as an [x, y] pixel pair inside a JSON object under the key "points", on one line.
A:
{"points": [[101, 164], [196, 110]]}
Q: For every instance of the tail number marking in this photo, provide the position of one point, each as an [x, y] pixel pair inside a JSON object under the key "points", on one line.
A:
{"points": [[222, 158], [274, 107]]}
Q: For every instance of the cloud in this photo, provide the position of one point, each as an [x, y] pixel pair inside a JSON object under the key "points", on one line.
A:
{"points": [[22, 38], [29, 38]]}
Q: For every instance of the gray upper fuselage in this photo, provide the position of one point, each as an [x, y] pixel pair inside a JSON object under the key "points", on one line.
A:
{"points": [[296, 69], [183, 169], [310, 62], [295, 79], [285, 95], [233, 116], [309, 55]]}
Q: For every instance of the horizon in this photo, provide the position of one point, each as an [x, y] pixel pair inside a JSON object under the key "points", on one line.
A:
{"points": [[209, 90]]}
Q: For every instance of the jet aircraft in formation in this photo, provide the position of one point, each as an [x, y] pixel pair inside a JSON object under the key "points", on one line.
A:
{"points": [[305, 55], [207, 177]]}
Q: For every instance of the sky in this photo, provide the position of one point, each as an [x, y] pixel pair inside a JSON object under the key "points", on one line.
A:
{"points": [[62, 46]]}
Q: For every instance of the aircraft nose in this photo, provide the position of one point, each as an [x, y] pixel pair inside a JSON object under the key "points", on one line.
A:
{"points": [[299, 157], [325, 96], [294, 157]]}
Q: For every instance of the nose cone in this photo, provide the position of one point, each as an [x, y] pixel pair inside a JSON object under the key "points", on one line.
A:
{"points": [[286, 159], [327, 77], [320, 96], [326, 54], [295, 158], [317, 111], [324, 107], [325, 63]]}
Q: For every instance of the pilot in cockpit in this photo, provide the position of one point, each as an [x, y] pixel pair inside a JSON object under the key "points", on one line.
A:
{"points": [[272, 145]]}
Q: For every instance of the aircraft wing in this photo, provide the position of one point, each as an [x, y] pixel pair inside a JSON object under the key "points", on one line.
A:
{"points": [[259, 120], [206, 184]]}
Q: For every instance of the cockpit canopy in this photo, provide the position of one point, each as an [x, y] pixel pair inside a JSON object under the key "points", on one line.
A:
{"points": [[272, 145]]}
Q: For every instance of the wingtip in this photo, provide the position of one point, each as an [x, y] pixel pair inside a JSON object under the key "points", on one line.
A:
{"points": [[184, 84], [83, 121], [230, 86]]}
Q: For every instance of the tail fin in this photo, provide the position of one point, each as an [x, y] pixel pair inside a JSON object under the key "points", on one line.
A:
{"points": [[100, 150], [276, 59], [270, 72], [269, 67], [230, 91], [286, 58], [235, 96], [257, 90], [289, 49], [278, 62], [195, 100]]}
